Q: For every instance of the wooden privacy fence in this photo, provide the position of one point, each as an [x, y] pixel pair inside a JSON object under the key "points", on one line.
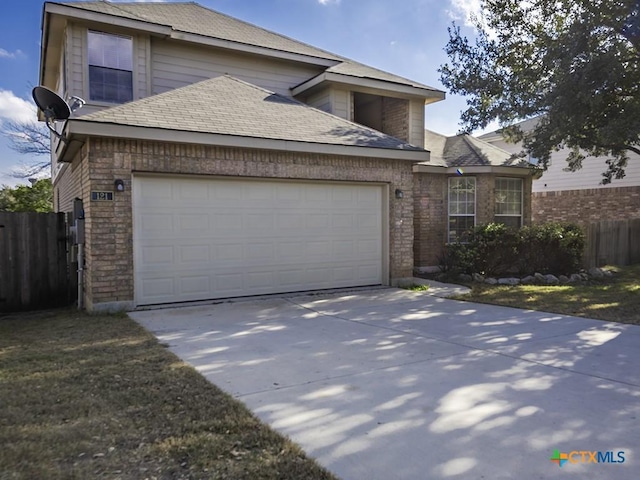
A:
{"points": [[612, 242], [34, 271]]}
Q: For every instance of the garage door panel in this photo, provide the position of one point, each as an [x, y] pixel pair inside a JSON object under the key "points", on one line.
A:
{"points": [[194, 285], [193, 222], [157, 288], [194, 253], [211, 238], [157, 255]]}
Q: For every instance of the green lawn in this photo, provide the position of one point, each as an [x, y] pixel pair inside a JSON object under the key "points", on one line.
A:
{"points": [[616, 299], [85, 397]]}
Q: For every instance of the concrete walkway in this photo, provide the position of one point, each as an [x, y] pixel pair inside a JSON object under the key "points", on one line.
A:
{"points": [[392, 384]]}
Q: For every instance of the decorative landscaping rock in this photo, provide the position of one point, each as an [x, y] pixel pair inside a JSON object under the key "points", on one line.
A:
{"points": [[551, 279], [509, 281], [491, 281], [477, 278], [596, 272], [575, 278], [563, 279], [607, 273], [528, 280], [540, 278], [465, 278]]}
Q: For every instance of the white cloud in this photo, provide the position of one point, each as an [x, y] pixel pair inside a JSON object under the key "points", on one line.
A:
{"points": [[16, 108], [6, 54], [465, 10], [328, 2]]}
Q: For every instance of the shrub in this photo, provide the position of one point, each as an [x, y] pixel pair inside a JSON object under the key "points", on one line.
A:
{"points": [[551, 248], [494, 249]]}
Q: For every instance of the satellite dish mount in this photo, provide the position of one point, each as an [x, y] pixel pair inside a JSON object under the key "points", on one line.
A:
{"points": [[55, 107]]}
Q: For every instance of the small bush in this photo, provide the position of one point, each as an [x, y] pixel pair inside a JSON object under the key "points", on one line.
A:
{"points": [[495, 249], [551, 248]]}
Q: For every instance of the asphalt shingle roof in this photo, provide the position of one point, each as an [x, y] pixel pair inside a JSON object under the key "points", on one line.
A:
{"points": [[190, 17], [465, 151], [228, 106]]}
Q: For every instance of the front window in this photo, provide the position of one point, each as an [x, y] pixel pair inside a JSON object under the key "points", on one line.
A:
{"points": [[509, 202], [462, 207], [110, 68]]}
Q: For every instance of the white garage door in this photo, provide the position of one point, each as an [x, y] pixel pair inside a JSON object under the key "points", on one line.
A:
{"points": [[197, 239]]}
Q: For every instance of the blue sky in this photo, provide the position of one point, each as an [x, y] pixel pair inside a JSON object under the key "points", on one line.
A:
{"points": [[405, 37]]}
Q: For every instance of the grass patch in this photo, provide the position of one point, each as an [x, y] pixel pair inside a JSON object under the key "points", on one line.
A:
{"points": [[97, 397], [616, 299], [417, 288]]}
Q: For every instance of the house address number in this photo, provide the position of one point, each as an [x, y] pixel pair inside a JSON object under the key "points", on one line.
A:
{"points": [[102, 196]]}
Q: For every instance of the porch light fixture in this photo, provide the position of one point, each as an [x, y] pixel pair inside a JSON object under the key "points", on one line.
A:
{"points": [[118, 185], [399, 193]]}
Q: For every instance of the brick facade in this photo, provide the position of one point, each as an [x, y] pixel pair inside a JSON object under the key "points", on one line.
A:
{"points": [[395, 117], [586, 206], [431, 211], [430, 218], [109, 228]]}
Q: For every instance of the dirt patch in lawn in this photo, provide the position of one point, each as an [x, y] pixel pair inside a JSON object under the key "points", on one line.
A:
{"points": [[97, 397], [616, 299]]}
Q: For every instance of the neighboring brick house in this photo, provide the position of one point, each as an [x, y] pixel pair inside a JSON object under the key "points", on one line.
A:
{"points": [[579, 196], [241, 162]]}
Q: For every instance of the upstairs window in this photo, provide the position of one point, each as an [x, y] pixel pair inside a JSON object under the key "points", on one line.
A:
{"points": [[509, 202], [462, 207], [110, 68]]}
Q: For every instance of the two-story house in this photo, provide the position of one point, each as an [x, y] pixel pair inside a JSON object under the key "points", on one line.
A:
{"points": [[217, 159]]}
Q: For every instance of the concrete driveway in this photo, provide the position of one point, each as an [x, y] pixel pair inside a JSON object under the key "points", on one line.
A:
{"points": [[391, 384]]}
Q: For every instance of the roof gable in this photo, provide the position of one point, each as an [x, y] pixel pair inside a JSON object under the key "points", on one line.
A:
{"points": [[192, 18], [464, 151]]}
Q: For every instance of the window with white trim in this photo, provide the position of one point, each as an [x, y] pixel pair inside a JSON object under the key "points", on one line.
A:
{"points": [[508, 196], [110, 67], [462, 207]]}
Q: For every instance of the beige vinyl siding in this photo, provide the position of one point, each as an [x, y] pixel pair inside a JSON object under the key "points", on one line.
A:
{"points": [[416, 122], [69, 185], [75, 58], [176, 65], [141, 47], [61, 85], [589, 176], [320, 100], [341, 103]]}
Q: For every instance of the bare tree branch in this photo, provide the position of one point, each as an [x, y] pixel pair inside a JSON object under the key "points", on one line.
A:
{"points": [[28, 138]]}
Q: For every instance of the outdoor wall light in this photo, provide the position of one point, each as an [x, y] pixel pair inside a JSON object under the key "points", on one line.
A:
{"points": [[399, 193], [118, 185]]}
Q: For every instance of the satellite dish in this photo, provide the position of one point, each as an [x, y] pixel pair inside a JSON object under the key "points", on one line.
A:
{"points": [[54, 106]]}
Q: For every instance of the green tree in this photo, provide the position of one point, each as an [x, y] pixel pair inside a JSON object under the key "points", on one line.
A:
{"points": [[23, 198], [574, 64]]}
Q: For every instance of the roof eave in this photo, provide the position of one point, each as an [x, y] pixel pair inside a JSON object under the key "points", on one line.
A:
{"points": [[517, 171], [168, 31], [371, 84], [106, 18], [79, 128]]}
